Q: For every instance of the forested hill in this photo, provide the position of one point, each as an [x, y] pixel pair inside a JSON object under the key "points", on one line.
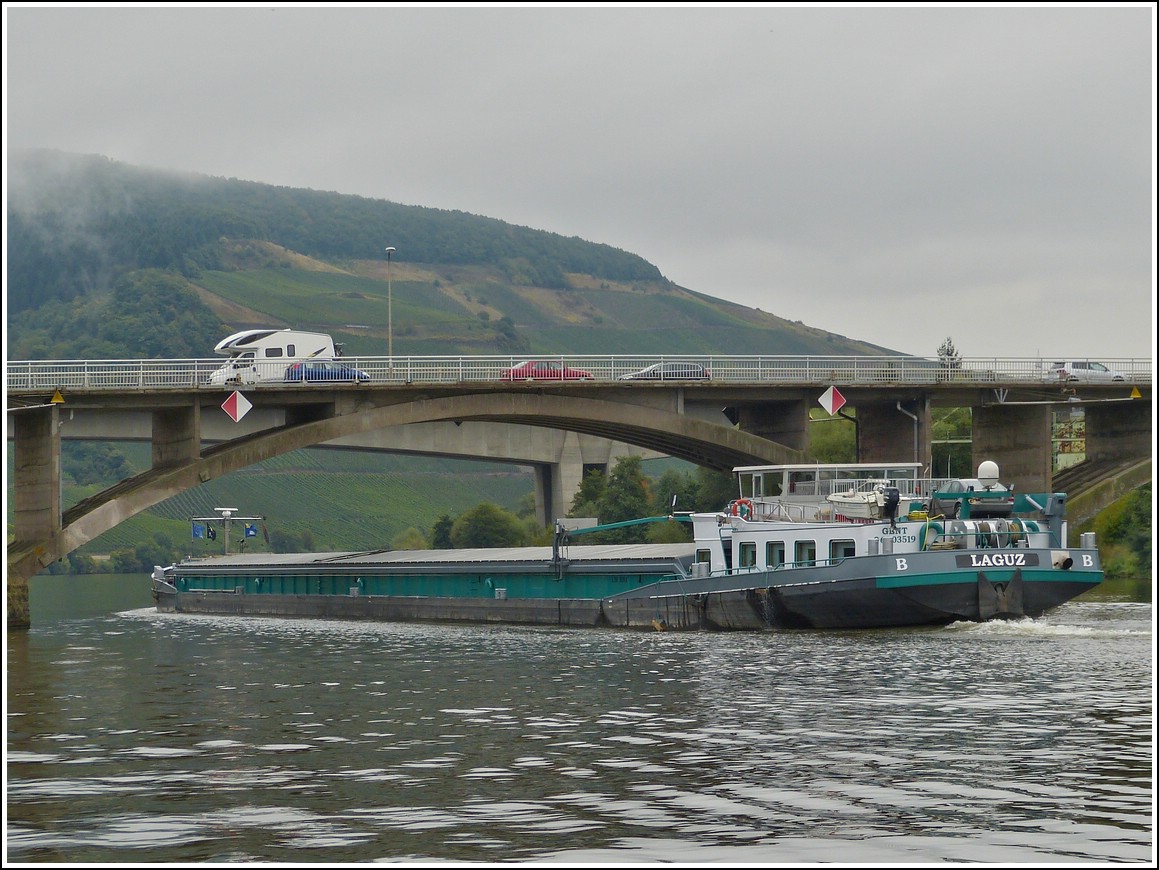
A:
{"points": [[111, 260]]}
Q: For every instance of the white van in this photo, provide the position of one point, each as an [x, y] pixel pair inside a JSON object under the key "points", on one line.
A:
{"points": [[257, 355]]}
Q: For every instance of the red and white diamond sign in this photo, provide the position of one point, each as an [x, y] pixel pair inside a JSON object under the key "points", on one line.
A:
{"points": [[831, 401], [237, 406]]}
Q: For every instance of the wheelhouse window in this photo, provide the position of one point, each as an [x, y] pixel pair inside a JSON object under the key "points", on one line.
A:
{"points": [[805, 553], [803, 482], [748, 554], [703, 556], [774, 554], [759, 484], [749, 485], [842, 549], [898, 476]]}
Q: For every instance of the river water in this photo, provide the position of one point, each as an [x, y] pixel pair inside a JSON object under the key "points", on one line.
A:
{"points": [[138, 737]]}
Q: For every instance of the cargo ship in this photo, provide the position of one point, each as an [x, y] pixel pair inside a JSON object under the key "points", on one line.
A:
{"points": [[779, 556]]}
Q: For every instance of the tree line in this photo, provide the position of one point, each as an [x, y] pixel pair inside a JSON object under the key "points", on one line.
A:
{"points": [[149, 314]]}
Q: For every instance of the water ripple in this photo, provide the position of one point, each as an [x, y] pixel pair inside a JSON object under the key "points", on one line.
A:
{"points": [[165, 740]]}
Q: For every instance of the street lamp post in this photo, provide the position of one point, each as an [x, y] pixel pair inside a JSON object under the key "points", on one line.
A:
{"points": [[389, 312]]}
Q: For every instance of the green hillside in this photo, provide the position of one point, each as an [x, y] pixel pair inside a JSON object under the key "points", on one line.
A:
{"points": [[434, 318], [107, 260]]}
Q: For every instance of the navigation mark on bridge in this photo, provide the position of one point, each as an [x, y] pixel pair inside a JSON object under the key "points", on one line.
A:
{"points": [[832, 400], [237, 406]]}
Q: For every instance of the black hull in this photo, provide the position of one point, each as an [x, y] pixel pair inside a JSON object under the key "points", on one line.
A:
{"points": [[851, 607]]}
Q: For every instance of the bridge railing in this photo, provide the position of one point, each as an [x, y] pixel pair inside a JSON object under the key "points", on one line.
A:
{"points": [[108, 374], [40, 375]]}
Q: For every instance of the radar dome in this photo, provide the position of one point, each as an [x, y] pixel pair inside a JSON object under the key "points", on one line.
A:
{"points": [[988, 474]]}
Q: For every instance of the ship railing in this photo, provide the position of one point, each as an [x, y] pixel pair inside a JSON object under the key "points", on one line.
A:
{"points": [[909, 487], [748, 570], [867, 484], [777, 510], [745, 570]]}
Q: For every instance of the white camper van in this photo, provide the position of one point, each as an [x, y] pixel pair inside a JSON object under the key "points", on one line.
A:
{"points": [[257, 355]]}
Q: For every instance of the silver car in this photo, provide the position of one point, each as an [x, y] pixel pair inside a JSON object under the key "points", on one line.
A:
{"points": [[1083, 371], [948, 501], [670, 371]]}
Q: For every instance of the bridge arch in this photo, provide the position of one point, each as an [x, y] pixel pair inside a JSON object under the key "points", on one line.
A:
{"points": [[697, 441]]}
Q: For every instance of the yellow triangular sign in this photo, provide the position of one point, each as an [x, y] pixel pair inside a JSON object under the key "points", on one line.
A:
{"points": [[57, 398], [1135, 394]]}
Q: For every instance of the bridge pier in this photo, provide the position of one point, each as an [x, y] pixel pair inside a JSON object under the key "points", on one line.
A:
{"points": [[17, 602], [783, 421], [895, 431], [556, 483], [1117, 431], [176, 435], [1018, 438], [36, 515]]}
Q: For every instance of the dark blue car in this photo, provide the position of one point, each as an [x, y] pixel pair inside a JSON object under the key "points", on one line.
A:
{"points": [[325, 371]]}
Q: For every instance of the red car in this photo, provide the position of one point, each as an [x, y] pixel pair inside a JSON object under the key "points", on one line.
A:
{"points": [[541, 370]]}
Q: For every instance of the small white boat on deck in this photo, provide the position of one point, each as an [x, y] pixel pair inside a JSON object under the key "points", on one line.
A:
{"points": [[875, 500]]}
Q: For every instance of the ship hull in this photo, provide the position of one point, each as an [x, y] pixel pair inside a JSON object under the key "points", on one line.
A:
{"points": [[881, 592]]}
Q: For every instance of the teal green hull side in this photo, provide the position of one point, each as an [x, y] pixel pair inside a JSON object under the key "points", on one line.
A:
{"points": [[474, 585]]}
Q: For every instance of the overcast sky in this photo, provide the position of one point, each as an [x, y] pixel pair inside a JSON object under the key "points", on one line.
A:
{"points": [[896, 175]]}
